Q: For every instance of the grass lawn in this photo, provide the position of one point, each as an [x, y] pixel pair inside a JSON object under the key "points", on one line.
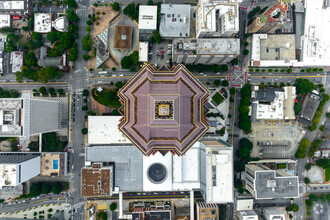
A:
{"points": [[327, 174], [107, 97], [281, 166], [217, 98]]}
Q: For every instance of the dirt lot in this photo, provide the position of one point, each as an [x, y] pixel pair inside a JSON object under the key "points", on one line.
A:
{"points": [[105, 15], [275, 139]]}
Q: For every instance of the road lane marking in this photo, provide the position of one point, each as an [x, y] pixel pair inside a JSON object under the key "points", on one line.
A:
{"points": [[41, 200], [273, 76], [105, 77], [37, 83]]}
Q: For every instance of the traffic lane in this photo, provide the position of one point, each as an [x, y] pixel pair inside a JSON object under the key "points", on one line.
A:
{"points": [[142, 197]]}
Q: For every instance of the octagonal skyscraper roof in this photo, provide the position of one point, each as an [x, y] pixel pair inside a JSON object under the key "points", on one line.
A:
{"points": [[163, 110]]}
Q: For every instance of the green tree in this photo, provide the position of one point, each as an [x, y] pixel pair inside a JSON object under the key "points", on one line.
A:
{"points": [[119, 84], [113, 207], [217, 82], [246, 52], [86, 57], [225, 83], [324, 163], [73, 54], [306, 180], [57, 188], [72, 16], [313, 197], [323, 198], [232, 91], [131, 11], [322, 128], [150, 2], [87, 42], [156, 36], [246, 43], [126, 62], [49, 73], [234, 62], [215, 68], [51, 90], [302, 149], [30, 59], [294, 207], [135, 57], [308, 166], [309, 202], [102, 216], [245, 147], [53, 36], [72, 3], [113, 69], [43, 90], [297, 108], [35, 189], [11, 42], [304, 86], [88, 29], [224, 68], [84, 131], [46, 188], [84, 108], [115, 6], [85, 92]]}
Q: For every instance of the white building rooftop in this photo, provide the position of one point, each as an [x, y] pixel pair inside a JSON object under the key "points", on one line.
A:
{"points": [[4, 20], [175, 20], [104, 130], [147, 17], [61, 24], [143, 51], [42, 22], [315, 41], [16, 60], [12, 5]]}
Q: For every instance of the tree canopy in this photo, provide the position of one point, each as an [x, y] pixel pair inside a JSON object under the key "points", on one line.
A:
{"points": [[115, 6], [72, 3], [87, 42], [131, 11], [30, 59], [11, 42], [304, 86], [302, 149], [72, 16]]}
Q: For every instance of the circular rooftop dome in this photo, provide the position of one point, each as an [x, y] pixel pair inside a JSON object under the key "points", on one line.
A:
{"points": [[157, 173]]}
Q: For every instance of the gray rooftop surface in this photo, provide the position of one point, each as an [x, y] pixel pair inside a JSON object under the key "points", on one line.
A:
{"points": [[310, 105], [175, 20], [16, 158], [267, 95], [44, 116], [285, 187], [128, 164]]}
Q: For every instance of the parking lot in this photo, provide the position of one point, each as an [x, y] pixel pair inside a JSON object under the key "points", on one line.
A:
{"points": [[160, 54], [320, 211], [275, 139]]}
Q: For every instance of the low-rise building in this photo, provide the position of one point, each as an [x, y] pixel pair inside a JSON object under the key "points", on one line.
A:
{"points": [[53, 164], [123, 37], [174, 21], [16, 8], [273, 50], [143, 51], [273, 103], [104, 130], [5, 20], [97, 180], [17, 168], [16, 61], [264, 183], [205, 51], [42, 22], [310, 105], [207, 211], [247, 215], [273, 213], [147, 18], [217, 18], [61, 24]]}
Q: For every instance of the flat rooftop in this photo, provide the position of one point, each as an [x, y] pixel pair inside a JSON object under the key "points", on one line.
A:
{"points": [[175, 20], [12, 5], [143, 51], [42, 22], [147, 17], [224, 46], [315, 37], [268, 185], [96, 180], [207, 211], [4, 20], [219, 172], [16, 60], [128, 169], [104, 130], [11, 111], [123, 37], [53, 164]]}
